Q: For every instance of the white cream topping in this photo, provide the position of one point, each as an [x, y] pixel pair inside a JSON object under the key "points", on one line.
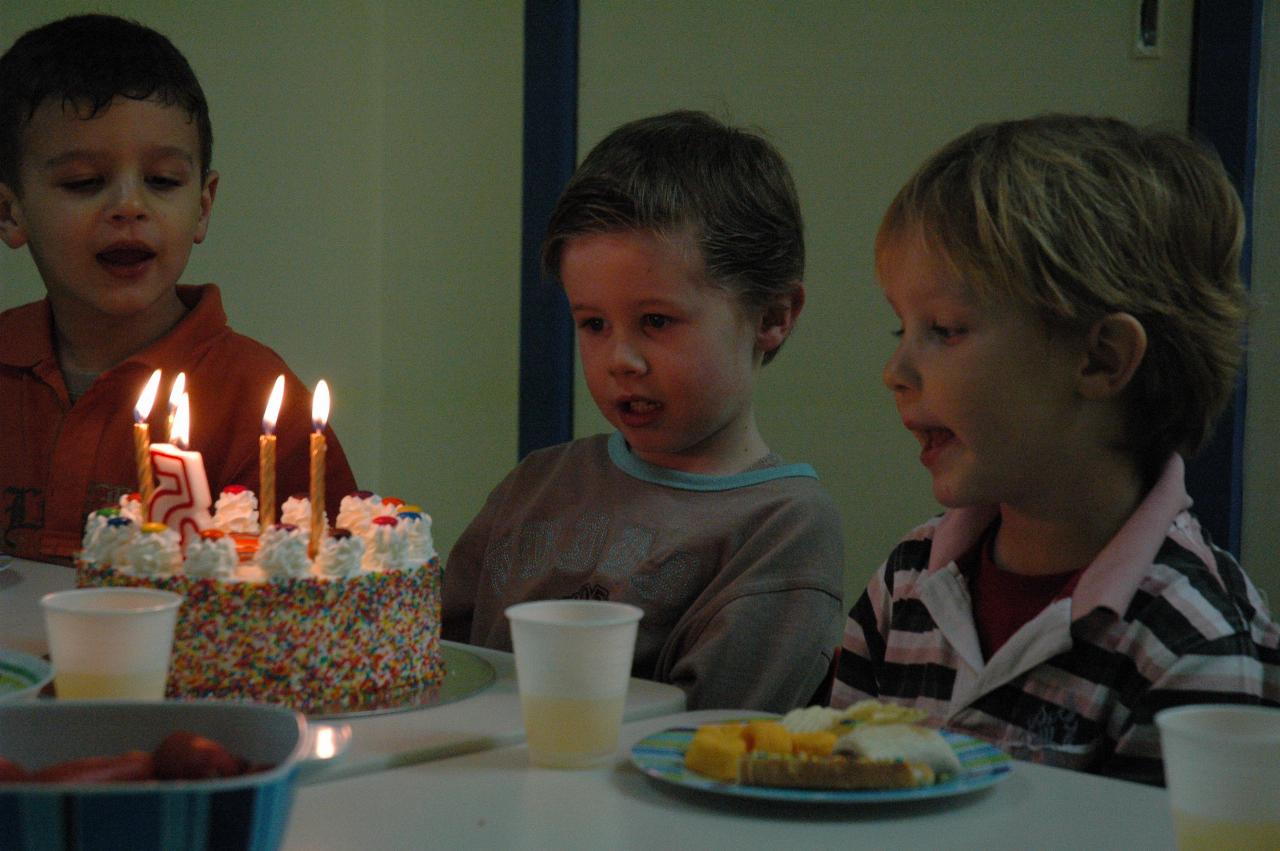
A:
{"points": [[236, 512], [388, 547], [297, 512], [282, 553], [356, 513], [418, 531], [154, 554], [811, 719], [104, 540], [339, 557], [131, 508], [213, 558]]}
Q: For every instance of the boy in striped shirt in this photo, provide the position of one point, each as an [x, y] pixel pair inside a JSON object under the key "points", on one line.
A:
{"points": [[1071, 313]]}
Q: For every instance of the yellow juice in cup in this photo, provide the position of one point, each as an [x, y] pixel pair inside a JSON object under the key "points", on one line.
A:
{"points": [[1197, 832], [571, 733], [129, 685]]}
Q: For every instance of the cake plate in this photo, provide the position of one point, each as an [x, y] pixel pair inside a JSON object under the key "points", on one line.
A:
{"points": [[465, 674]]}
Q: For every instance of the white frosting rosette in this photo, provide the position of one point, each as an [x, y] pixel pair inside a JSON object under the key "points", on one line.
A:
{"points": [[340, 556], [211, 558], [357, 511], [131, 508], [388, 548], [417, 528], [105, 535], [153, 553], [282, 552], [236, 510], [296, 511]]}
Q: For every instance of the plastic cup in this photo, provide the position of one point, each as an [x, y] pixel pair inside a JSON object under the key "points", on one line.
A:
{"points": [[573, 663], [1222, 768], [110, 642]]}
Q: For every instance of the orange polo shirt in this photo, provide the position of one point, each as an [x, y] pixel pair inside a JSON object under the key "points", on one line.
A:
{"points": [[60, 461]]}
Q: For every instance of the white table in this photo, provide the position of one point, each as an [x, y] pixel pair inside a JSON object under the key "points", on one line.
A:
{"points": [[488, 719], [493, 799]]}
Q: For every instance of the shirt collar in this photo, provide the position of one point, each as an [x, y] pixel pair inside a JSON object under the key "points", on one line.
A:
{"points": [[1112, 578]]}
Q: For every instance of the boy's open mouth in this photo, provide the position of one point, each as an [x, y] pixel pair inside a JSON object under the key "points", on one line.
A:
{"points": [[635, 411], [932, 442], [125, 256]]}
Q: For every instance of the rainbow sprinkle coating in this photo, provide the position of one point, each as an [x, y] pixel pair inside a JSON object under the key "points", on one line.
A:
{"points": [[321, 646]]}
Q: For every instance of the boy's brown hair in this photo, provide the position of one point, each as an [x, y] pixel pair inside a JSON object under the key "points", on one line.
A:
{"points": [[1077, 217], [87, 61], [683, 173]]}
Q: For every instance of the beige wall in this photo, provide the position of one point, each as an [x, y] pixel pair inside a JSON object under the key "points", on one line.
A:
{"points": [[367, 223], [1261, 550]]}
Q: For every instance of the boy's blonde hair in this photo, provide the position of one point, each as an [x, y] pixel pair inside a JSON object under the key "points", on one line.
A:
{"points": [[1077, 217]]}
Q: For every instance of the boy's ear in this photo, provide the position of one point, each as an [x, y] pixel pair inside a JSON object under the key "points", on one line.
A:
{"points": [[12, 229], [1114, 347], [207, 193], [779, 318]]}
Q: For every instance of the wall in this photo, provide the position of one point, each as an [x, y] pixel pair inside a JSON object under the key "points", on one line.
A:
{"points": [[1261, 546]]}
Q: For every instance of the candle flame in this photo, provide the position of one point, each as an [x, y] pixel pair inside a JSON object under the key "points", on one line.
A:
{"points": [[142, 409], [320, 405], [175, 394], [181, 434], [272, 413]]}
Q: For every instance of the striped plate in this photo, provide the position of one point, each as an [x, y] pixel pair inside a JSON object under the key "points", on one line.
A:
{"points": [[661, 756], [22, 676]]}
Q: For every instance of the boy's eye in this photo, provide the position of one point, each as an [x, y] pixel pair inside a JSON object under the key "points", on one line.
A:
{"points": [[82, 184], [593, 323], [160, 182], [656, 320], [945, 332]]}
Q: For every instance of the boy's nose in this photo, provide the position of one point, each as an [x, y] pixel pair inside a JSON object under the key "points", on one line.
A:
{"points": [[899, 375], [625, 358], [128, 204]]}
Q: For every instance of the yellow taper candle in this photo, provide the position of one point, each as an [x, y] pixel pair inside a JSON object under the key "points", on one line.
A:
{"points": [[319, 416], [267, 457], [142, 442]]}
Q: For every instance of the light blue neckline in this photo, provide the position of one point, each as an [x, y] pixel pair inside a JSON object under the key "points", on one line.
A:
{"points": [[643, 470]]}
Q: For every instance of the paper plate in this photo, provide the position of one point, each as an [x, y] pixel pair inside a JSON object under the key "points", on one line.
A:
{"points": [[22, 676], [661, 756]]}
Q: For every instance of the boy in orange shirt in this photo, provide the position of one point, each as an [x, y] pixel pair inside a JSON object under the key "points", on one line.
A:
{"points": [[105, 146]]}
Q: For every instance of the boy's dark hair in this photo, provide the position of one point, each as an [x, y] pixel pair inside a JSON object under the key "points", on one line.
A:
{"points": [[87, 61], [687, 173], [1077, 217]]}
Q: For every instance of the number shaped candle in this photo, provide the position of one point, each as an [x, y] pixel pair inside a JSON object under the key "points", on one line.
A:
{"points": [[181, 499]]}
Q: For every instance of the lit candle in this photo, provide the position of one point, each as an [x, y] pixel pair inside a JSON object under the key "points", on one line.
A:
{"points": [[182, 497], [175, 396], [267, 456], [142, 440], [319, 416]]}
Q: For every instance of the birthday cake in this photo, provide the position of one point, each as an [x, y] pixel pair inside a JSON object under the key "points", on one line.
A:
{"points": [[354, 628]]}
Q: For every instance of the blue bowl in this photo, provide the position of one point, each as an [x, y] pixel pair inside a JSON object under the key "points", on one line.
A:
{"points": [[246, 812]]}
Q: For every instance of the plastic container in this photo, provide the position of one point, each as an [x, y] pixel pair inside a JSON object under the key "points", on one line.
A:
{"points": [[246, 812]]}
